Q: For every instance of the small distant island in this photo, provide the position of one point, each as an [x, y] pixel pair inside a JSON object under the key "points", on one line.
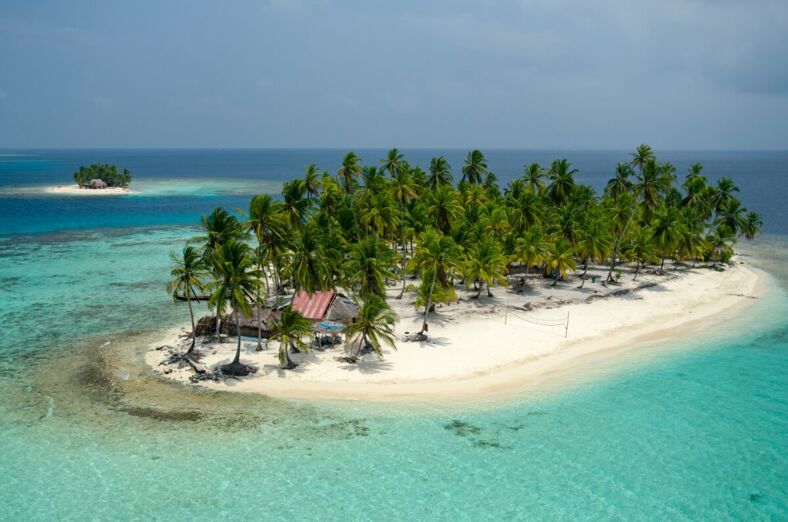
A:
{"points": [[96, 179], [101, 176]]}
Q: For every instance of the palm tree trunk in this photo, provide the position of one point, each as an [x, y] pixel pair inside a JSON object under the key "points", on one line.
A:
{"points": [[191, 315], [289, 363], [489, 294], [259, 347], [662, 265], [360, 348], [429, 304], [637, 271], [618, 242], [404, 259], [585, 269], [238, 332]]}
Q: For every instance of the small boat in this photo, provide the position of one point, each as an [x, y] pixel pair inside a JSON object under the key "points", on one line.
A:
{"points": [[194, 298]]}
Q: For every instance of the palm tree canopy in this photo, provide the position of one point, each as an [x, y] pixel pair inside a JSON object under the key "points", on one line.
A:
{"points": [[440, 173], [375, 324], [236, 281], [187, 272]]}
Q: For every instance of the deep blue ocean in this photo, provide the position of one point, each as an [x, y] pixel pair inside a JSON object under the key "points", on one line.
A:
{"points": [[697, 431]]}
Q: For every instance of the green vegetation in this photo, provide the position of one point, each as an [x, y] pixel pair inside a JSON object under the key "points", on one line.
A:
{"points": [[186, 273], [369, 226], [109, 174]]}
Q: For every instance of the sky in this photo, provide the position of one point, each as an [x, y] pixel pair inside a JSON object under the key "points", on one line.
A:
{"points": [[535, 74]]}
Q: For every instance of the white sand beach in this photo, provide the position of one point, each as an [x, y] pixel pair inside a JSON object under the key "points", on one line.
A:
{"points": [[495, 346], [76, 190]]}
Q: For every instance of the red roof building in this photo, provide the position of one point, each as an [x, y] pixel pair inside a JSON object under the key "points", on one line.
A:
{"points": [[313, 306], [325, 306]]}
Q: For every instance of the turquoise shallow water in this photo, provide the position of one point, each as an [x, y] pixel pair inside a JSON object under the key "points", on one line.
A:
{"points": [[688, 434], [696, 431]]}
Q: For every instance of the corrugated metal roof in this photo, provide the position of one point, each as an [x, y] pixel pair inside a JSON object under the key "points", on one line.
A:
{"points": [[312, 306]]}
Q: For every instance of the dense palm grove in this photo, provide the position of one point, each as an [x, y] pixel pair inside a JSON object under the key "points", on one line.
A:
{"points": [[109, 174], [368, 226]]}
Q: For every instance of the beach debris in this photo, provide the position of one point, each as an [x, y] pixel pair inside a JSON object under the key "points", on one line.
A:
{"points": [[106, 344], [415, 337], [207, 376]]}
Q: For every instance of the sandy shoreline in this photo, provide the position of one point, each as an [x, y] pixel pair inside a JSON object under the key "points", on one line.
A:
{"points": [[492, 348], [75, 190]]}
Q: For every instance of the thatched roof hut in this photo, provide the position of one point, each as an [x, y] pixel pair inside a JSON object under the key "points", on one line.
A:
{"points": [[207, 325], [97, 184]]}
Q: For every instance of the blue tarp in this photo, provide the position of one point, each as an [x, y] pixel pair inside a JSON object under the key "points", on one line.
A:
{"points": [[331, 326]]}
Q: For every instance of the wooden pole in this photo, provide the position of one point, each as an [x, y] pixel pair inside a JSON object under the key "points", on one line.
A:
{"points": [[566, 329], [506, 314]]}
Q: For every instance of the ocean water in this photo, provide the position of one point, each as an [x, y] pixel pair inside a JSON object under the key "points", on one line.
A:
{"points": [[694, 430]]}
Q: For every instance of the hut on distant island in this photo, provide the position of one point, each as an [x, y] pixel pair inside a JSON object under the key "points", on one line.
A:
{"points": [[97, 184]]}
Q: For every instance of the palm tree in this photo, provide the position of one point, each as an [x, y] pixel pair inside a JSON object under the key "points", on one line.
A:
{"points": [[594, 242], [310, 266], [667, 231], [527, 211], [719, 242], [474, 168], [444, 207], [534, 175], [295, 205], [731, 215], [695, 172], [349, 171], [697, 195], [374, 326], [484, 263], [560, 259], [642, 248], [289, 330], [219, 228], [369, 266], [643, 153], [691, 244], [436, 254], [403, 191], [647, 188], [562, 182], [312, 181], [532, 249], [440, 173], [394, 162], [237, 280], [621, 183], [722, 194], [187, 270], [268, 223], [751, 225]]}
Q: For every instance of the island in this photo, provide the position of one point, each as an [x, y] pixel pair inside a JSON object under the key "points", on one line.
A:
{"points": [[388, 281], [100, 179]]}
